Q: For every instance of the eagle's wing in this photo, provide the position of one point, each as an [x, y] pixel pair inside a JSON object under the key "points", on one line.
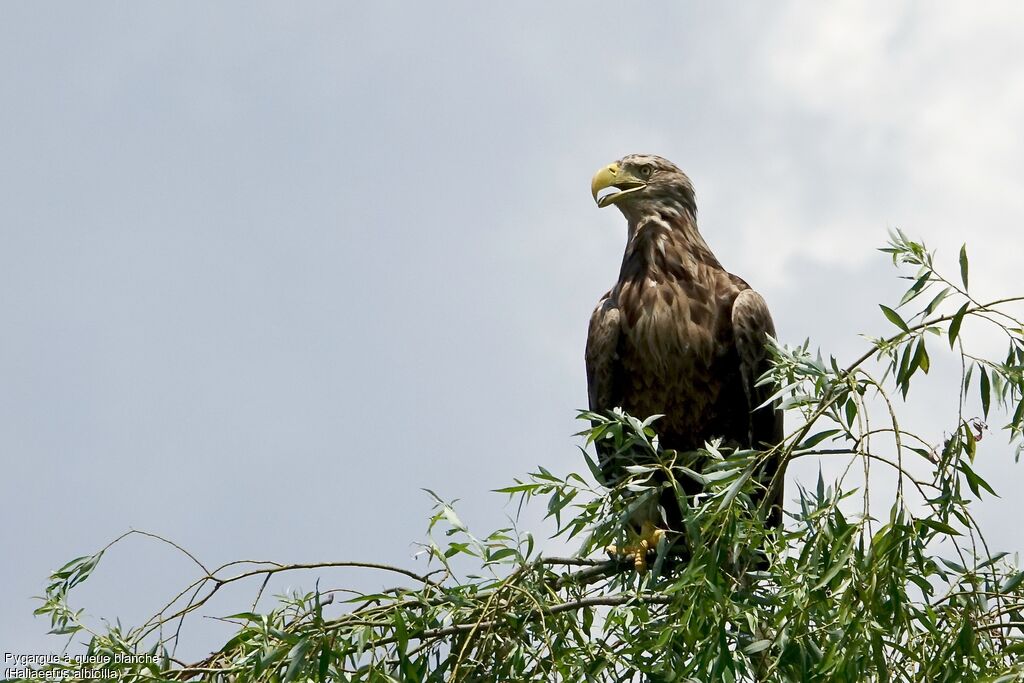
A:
{"points": [[752, 323], [604, 371]]}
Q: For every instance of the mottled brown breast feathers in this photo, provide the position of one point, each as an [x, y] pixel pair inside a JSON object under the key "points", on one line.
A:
{"points": [[669, 339]]}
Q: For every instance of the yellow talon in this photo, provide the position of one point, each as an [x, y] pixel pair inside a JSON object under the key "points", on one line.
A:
{"points": [[648, 539]]}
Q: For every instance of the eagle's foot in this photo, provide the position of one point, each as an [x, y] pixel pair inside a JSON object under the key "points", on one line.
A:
{"points": [[647, 541]]}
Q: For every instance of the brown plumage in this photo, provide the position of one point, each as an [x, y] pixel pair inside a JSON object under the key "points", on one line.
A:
{"points": [[678, 335]]}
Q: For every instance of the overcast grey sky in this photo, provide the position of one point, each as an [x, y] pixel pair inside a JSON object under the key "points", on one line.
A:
{"points": [[267, 269]]}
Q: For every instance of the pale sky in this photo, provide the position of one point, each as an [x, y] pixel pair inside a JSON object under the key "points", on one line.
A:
{"points": [[270, 269]]}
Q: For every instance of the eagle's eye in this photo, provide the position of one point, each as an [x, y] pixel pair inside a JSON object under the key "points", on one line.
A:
{"points": [[645, 171]]}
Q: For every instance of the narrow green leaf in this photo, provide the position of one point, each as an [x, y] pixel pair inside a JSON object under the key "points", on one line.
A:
{"points": [[65, 570], [954, 324], [955, 566], [911, 367], [894, 318], [734, 489], [851, 411], [757, 646], [248, 616], [839, 564], [325, 662], [1012, 582], [453, 519], [815, 439], [519, 488], [921, 357], [986, 391], [941, 527], [992, 560], [595, 471], [916, 289], [297, 658], [269, 658], [974, 481], [904, 371], [939, 298], [501, 554], [963, 264]]}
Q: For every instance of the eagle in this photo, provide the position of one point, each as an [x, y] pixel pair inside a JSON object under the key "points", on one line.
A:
{"points": [[678, 336]]}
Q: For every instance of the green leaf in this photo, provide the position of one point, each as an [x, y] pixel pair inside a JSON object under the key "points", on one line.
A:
{"points": [[908, 364], [839, 564], [453, 519], [65, 571], [297, 657], [757, 646], [851, 411], [954, 324], [955, 566], [986, 391], [269, 658], [921, 359], [963, 265], [595, 470], [939, 298], [894, 318], [974, 481], [501, 554], [518, 488], [1012, 582], [916, 289], [815, 439], [941, 527], [734, 489]]}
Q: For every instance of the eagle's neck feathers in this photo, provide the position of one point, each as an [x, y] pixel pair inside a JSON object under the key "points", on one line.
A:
{"points": [[663, 243]]}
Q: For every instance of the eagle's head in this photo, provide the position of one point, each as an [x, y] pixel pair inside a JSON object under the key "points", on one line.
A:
{"points": [[641, 183]]}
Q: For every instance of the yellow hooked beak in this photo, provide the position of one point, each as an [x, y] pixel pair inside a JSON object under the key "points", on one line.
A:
{"points": [[611, 183]]}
